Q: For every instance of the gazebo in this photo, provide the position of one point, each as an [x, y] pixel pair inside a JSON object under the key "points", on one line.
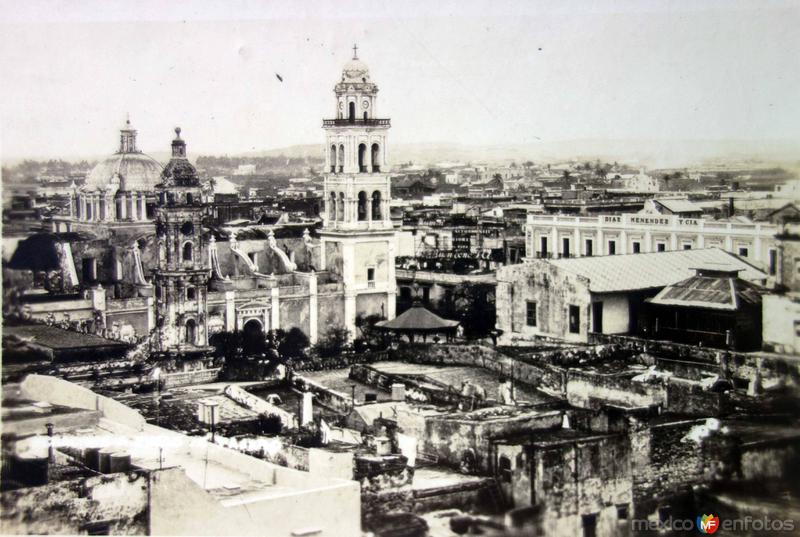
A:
{"points": [[419, 320]]}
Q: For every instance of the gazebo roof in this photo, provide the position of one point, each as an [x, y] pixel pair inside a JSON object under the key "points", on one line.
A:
{"points": [[417, 319]]}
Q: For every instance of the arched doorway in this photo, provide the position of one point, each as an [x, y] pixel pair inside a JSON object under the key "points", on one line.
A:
{"points": [[254, 339], [191, 332]]}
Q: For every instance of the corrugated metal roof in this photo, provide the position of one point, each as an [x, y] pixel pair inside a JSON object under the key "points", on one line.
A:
{"points": [[720, 293], [614, 273]]}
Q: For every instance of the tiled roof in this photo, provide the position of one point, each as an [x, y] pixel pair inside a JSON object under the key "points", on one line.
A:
{"points": [[612, 273]]}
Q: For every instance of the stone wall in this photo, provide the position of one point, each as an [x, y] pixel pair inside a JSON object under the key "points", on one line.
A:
{"points": [[186, 378]]}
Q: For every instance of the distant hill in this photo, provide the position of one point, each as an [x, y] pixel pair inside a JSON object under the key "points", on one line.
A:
{"points": [[650, 153]]}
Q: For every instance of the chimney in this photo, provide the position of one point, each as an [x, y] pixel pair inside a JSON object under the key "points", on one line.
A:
{"points": [[398, 392], [51, 451]]}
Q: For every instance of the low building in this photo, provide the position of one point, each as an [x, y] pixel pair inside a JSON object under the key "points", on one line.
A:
{"points": [[569, 299]]}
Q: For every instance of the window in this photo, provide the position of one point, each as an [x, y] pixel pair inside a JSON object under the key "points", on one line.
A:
{"points": [[661, 247], [612, 247], [687, 245], [565, 247], [589, 525], [637, 247], [187, 251], [371, 277], [743, 251], [574, 319], [773, 262], [504, 469], [543, 249], [622, 512], [426, 294], [89, 269], [530, 313], [589, 246], [191, 293], [253, 257], [97, 528]]}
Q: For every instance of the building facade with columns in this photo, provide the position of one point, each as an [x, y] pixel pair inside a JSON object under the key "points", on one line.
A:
{"points": [[557, 236]]}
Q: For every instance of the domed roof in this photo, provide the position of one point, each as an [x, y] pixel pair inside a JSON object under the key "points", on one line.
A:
{"points": [[355, 71], [134, 171], [128, 169]]}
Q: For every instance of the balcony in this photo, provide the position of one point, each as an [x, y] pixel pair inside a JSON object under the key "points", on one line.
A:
{"points": [[356, 122]]}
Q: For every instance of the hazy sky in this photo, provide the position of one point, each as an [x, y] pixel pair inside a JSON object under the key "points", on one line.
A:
{"points": [[466, 72]]}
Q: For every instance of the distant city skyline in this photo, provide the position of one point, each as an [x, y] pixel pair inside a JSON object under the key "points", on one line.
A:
{"points": [[464, 73]]}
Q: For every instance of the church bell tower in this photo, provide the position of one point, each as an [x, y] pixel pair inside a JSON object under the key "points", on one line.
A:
{"points": [[358, 239], [182, 273]]}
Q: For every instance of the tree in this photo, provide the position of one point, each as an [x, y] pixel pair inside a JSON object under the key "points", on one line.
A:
{"points": [[333, 342], [475, 308], [292, 344]]}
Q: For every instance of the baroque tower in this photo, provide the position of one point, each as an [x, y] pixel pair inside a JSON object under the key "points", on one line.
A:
{"points": [[358, 240], [181, 278]]}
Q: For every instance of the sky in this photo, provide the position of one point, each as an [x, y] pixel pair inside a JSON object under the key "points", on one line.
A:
{"points": [[468, 72]]}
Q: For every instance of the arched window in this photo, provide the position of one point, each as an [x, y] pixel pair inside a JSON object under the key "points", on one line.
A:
{"points": [[340, 210], [362, 206], [365, 115], [352, 112], [89, 211], [332, 207], [191, 332], [362, 158], [187, 251], [376, 163], [333, 158], [189, 198], [376, 205], [118, 206], [191, 293], [341, 158]]}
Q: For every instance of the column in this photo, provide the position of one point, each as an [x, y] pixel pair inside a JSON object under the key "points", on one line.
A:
{"points": [[577, 248], [623, 239], [600, 247], [142, 206], [151, 313], [350, 313], [132, 202], [276, 310], [312, 308], [673, 240], [648, 241], [554, 240], [230, 311]]}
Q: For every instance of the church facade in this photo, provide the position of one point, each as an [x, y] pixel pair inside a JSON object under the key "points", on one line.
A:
{"points": [[139, 260]]}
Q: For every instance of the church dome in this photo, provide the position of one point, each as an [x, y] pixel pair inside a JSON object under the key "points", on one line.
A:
{"points": [[134, 171], [355, 71], [128, 169]]}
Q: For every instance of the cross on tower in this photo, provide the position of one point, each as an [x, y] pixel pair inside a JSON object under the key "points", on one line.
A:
{"points": [[355, 52]]}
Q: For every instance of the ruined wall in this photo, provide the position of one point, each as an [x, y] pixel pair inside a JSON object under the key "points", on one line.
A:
{"points": [[579, 478], [661, 463], [73, 506], [450, 438], [779, 318], [588, 389]]}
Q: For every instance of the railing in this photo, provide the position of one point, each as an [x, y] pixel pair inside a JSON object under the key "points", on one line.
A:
{"points": [[359, 122]]}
